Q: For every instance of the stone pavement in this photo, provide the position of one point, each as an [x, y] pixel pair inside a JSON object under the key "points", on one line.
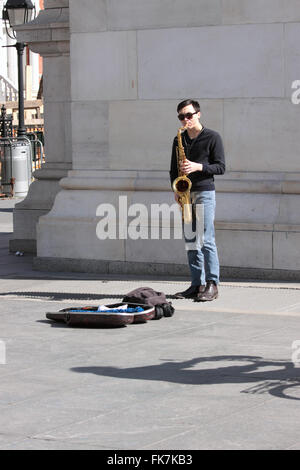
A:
{"points": [[219, 375]]}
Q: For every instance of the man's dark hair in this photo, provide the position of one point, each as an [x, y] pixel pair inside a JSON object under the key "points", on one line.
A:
{"points": [[185, 103]]}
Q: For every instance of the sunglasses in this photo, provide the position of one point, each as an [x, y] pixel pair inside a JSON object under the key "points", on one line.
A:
{"points": [[182, 116]]}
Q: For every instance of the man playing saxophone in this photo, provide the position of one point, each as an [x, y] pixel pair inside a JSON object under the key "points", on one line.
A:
{"points": [[203, 149]]}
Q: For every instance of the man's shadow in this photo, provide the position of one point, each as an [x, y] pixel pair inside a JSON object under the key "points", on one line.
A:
{"points": [[274, 382]]}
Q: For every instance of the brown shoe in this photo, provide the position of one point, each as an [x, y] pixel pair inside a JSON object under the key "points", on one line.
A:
{"points": [[189, 293], [201, 289], [210, 292]]}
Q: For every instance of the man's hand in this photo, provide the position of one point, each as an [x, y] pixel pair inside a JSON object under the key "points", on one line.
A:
{"points": [[189, 167]]}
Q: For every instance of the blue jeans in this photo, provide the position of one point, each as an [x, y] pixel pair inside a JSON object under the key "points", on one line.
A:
{"points": [[203, 257]]}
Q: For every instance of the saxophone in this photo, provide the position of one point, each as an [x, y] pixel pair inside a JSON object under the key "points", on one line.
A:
{"points": [[182, 184]]}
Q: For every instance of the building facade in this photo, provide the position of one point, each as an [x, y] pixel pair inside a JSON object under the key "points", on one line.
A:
{"points": [[114, 73]]}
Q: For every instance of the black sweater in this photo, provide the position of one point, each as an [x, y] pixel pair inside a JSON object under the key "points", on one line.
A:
{"points": [[206, 148]]}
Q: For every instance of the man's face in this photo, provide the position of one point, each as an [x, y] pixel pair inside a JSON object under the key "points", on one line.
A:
{"points": [[191, 118]]}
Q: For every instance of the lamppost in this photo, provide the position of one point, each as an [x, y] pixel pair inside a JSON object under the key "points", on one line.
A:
{"points": [[17, 12]]}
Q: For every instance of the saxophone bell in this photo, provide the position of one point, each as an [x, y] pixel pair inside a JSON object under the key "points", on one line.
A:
{"points": [[181, 184]]}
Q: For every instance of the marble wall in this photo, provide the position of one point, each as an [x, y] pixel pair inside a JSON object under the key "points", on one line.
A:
{"points": [[131, 62]]}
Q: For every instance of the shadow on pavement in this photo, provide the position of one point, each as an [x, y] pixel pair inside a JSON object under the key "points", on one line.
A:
{"points": [[275, 382]]}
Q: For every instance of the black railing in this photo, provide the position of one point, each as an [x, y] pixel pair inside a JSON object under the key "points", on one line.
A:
{"points": [[34, 133]]}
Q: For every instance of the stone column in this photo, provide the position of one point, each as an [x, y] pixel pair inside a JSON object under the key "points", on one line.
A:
{"points": [[47, 35]]}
